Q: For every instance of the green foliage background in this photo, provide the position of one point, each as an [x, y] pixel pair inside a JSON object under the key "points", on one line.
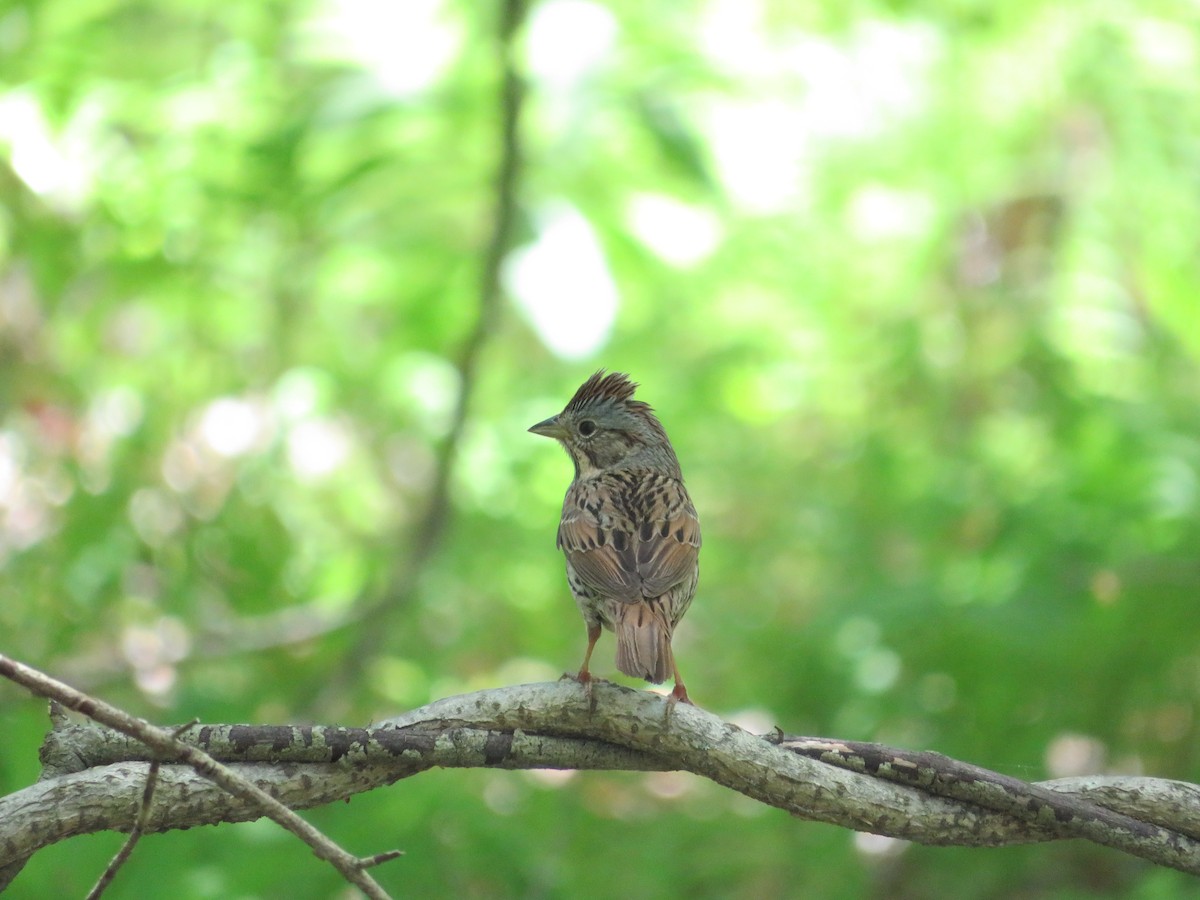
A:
{"points": [[935, 392]]}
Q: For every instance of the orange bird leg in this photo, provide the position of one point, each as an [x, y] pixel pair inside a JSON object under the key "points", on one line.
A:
{"points": [[679, 692], [584, 675]]}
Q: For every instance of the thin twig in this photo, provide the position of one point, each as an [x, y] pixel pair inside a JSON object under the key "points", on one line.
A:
{"points": [[139, 827], [135, 834], [167, 745]]}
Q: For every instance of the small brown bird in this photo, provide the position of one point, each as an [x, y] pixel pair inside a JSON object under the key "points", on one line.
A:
{"points": [[629, 531]]}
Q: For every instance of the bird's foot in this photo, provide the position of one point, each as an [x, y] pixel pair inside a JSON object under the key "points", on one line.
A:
{"points": [[679, 694]]}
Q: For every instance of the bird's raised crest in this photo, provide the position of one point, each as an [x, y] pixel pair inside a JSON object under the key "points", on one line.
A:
{"points": [[614, 386]]}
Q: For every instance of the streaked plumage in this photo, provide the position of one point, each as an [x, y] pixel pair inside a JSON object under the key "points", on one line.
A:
{"points": [[629, 531]]}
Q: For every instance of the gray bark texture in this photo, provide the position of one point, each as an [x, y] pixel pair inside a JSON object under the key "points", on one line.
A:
{"points": [[93, 778]]}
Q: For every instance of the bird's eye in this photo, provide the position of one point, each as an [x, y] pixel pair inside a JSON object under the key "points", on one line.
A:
{"points": [[587, 427]]}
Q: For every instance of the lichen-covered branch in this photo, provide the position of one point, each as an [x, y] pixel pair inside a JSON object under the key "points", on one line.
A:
{"points": [[162, 744], [93, 780]]}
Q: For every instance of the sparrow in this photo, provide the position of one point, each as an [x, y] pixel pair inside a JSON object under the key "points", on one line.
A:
{"points": [[629, 531]]}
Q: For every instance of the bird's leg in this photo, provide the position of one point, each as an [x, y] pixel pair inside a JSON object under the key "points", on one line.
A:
{"points": [[679, 692], [584, 675], [678, 695]]}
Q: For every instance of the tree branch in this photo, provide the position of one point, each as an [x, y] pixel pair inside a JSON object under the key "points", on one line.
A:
{"points": [[165, 744], [93, 783]]}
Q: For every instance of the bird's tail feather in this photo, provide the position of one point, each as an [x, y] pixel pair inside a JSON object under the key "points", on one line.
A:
{"points": [[643, 641]]}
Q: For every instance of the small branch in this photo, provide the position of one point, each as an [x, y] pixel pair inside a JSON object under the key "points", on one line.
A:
{"points": [[165, 744], [135, 835], [139, 826]]}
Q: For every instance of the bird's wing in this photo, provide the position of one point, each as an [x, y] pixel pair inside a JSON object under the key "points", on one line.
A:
{"points": [[630, 537], [668, 538]]}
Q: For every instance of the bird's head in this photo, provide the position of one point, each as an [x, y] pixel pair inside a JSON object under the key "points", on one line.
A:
{"points": [[603, 428]]}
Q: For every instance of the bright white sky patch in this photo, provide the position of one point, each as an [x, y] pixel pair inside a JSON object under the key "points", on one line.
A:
{"points": [[568, 39], [880, 213], [406, 44], [1167, 46], [230, 426], [809, 92], [54, 166], [677, 233], [733, 35], [317, 448], [9, 469], [562, 284], [761, 151]]}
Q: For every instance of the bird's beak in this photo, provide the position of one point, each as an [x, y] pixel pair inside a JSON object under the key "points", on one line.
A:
{"points": [[550, 428]]}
